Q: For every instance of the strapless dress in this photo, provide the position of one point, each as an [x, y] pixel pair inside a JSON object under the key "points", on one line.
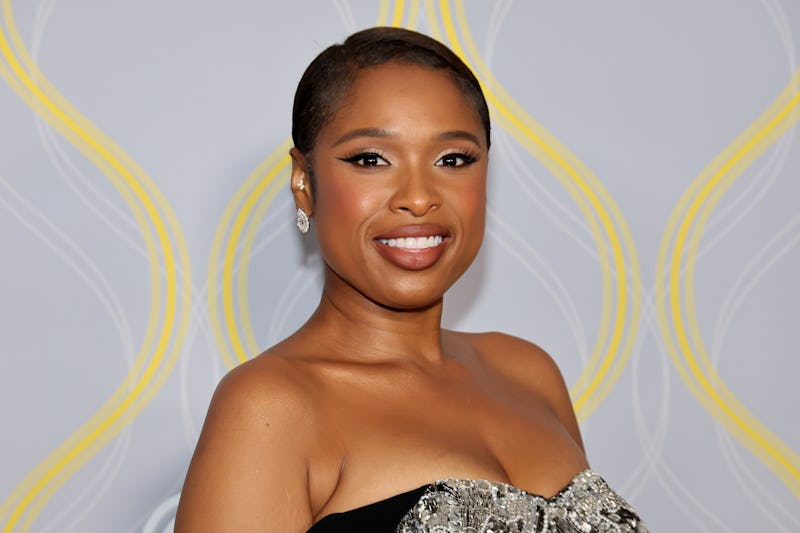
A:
{"points": [[585, 505]]}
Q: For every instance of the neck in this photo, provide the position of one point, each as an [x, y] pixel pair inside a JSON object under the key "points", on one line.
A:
{"points": [[358, 328]]}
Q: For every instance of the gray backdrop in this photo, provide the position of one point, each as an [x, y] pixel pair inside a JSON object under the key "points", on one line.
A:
{"points": [[643, 228]]}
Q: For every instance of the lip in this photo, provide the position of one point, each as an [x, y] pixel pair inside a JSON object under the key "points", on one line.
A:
{"points": [[415, 230], [410, 258]]}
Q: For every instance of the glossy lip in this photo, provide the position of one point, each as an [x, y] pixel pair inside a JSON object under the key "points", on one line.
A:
{"points": [[415, 230], [413, 259]]}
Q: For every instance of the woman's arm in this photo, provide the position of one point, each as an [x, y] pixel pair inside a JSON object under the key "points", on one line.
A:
{"points": [[249, 470]]}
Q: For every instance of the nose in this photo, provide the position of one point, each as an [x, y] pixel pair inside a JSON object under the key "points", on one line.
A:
{"points": [[416, 192]]}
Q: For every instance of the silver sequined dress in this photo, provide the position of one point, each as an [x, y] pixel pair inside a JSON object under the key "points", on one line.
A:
{"points": [[586, 505]]}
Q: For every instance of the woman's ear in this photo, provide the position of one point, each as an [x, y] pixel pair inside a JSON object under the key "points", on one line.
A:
{"points": [[301, 182]]}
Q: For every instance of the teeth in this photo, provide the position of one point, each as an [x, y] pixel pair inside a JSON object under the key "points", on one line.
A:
{"points": [[413, 243]]}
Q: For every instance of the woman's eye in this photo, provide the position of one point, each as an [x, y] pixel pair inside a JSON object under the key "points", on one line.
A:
{"points": [[366, 159], [455, 160]]}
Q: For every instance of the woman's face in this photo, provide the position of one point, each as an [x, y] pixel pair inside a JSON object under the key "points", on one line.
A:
{"points": [[400, 185]]}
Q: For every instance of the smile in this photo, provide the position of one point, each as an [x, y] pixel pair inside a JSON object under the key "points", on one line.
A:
{"points": [[413, 243]]}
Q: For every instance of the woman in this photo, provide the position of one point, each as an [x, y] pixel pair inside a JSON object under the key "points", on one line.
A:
{"points": [[371, 417]]}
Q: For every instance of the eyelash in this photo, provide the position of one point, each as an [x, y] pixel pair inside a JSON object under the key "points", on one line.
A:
{"points": [[361, 156], [466, 158]]}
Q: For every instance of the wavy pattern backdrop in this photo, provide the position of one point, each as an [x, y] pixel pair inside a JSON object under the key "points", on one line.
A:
{"points": [[643, 227]]}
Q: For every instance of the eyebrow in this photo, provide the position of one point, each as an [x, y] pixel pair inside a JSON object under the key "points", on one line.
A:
{"points": [[362, 132], [382, 133], [459, 134]]}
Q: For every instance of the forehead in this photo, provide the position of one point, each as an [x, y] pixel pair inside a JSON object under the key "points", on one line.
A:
{"points": [[401, 96]]}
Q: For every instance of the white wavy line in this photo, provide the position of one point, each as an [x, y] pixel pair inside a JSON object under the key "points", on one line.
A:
{"points": [[546, 276], [652, 462], [65, 166], [42, 15], [497, 16], [99, 286], [199, 324], [285, 303], [762, 183], [56, 153], [694, 509], [740, 471], [121, 445], [778, 155], [290, 296], [652, 445], [275, 211], [784, 30], [59, 155], [663, 468], [101, 482], [691, 505], [97, 486], [166, 508], [542, 197], [509, 153], [345, 13], [499, 12], [746, 281], [748, 278], [744, 476], [119, 312], [192, 430]]}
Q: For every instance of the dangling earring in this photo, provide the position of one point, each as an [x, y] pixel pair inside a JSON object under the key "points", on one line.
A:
{"points": [[303, 221]]}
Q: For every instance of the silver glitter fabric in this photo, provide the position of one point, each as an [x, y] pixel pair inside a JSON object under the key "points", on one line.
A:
{"points": [[586, 505]]}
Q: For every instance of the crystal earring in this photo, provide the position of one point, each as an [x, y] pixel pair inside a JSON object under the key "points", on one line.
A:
{"points": [[302, 221]]}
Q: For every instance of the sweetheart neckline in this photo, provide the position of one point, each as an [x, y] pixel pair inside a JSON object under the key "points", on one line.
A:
{"points": [[561, 491], [453, 481]]}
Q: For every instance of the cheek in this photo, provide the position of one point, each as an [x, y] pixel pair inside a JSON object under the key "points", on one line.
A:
{"points": [[473, 204], [344, 203]]}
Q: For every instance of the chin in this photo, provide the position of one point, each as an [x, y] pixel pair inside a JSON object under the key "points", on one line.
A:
{"points": [[409, 306], [409, 299]]}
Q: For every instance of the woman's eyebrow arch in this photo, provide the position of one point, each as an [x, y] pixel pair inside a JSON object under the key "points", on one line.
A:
{"points": [[362, 132], [380, 133], [459, 134]]}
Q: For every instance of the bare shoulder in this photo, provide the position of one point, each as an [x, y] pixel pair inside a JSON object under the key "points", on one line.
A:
{"points": [[269, 389], [526, 364], [249, 470], [518, 358]]}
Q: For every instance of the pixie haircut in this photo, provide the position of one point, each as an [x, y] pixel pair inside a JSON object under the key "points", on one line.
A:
{"points": [[328, 78]]}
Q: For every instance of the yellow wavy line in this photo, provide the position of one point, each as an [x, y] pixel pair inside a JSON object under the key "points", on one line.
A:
{"points": [[704, 193], [715, 188], [229, 260], [383, 13], [50, 474], [413, 14], [577, 180], [397, 15], [433, 21], [243, 344], [55, 120], [258, 201], [30, 99], [597, 388], [533, 141], [258, 176], [282, 176]]}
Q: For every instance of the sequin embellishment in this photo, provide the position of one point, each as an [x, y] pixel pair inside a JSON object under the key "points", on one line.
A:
{"points": [[586, 505]]}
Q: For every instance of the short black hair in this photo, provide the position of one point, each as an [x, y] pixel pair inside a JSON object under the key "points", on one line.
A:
{"points": [[330, 75]]}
